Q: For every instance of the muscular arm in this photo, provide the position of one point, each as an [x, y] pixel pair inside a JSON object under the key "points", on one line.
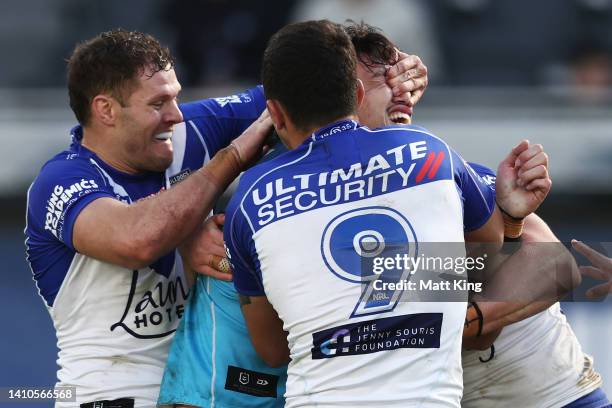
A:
{"points": [[492, 232], [136, 235], [532, 279], [266, 330]]}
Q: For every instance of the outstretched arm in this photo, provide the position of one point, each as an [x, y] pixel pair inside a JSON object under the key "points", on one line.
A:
{"points": [[601, 269], [142, 232], [537, 275]]}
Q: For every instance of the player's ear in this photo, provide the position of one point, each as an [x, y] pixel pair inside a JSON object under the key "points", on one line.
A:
{"points": [[360, 92], [277, 114], [104, 108]]}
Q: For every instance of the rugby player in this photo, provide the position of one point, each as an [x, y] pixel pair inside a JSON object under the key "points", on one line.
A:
{"points": [[535, 361], [299, 224], [214, 346], [212, 361], [101, 231]]}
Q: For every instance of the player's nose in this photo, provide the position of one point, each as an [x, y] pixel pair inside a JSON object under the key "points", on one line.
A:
{"points": [[173, 114]]}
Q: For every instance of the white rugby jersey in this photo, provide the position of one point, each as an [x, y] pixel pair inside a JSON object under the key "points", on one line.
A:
{"points": [[114, 325], [304, 229], [537, 362]]}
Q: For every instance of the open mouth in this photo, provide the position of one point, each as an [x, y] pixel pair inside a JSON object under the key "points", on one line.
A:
{"points": [[163, 136], [400, 118]]}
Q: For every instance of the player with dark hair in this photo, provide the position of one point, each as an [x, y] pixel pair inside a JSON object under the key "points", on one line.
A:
{"points": [[210, 342], [520, 369], [212, 361], [342, 193], [101, 231]]}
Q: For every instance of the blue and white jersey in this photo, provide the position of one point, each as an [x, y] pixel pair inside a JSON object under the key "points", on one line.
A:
{"points": [[114, 325], [538, 362], [303, 229]]}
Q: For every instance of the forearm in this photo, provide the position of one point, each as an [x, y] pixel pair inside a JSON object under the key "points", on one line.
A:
{"points": [[167, 219], [136, 235], [536, 276]]}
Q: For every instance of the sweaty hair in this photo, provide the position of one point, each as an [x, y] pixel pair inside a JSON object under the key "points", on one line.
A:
{"points": [[373, 48], [112, 62], [310, 68]]}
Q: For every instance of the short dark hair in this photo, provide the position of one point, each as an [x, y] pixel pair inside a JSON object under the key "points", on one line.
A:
{"points": [[371, 45], [111, 62], [310, 68]]}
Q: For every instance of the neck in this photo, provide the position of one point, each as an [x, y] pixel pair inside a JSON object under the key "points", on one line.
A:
{"points": [[297, 136], [94, 141]]}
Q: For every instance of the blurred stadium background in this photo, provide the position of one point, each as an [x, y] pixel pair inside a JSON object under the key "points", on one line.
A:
{"points": [[500, 71]]}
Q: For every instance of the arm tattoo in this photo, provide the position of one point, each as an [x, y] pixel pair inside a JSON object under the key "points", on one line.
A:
{"points": [[244, 300]]}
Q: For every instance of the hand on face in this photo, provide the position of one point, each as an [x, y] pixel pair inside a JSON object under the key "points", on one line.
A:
{"points": [[523, 181], [391, 91], [407, 79]]}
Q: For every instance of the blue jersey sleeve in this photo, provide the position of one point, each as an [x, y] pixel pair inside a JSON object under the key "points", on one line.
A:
{"points": [[60, 192], [216, 122], [63, 188], [485, 173], [477, 195], [241, 251]]}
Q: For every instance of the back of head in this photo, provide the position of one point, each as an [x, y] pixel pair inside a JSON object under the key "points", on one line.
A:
{"points": [[371, 45], [111, 63], [310, 68]]}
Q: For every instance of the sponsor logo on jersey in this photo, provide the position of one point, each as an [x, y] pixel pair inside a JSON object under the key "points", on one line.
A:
{"points": [[155, 312], [251, 382], [409, 331], [240, 98], [401, 167], [489, 179], [63, 197], [179, 177]]}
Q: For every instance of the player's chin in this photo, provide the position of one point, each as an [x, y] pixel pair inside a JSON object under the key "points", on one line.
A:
{"points": [[160, 161]]}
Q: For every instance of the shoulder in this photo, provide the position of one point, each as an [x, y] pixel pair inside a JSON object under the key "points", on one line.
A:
{"points": [[216, 106], [406, 133], [481, 169], [69, 166]]}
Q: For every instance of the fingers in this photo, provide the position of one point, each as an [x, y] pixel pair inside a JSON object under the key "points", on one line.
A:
{"points": [[416, 97], [526, 177], [539, 159], [510, 160], [593, 272], [249, 143], [212, 236], [213, 273], [599, 291], [218, 220], [407, 75], [531, 152], [543, 184], [598, 259]]}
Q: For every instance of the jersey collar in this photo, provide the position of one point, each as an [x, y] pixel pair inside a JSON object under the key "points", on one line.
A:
{"points": [[334, 128]]}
